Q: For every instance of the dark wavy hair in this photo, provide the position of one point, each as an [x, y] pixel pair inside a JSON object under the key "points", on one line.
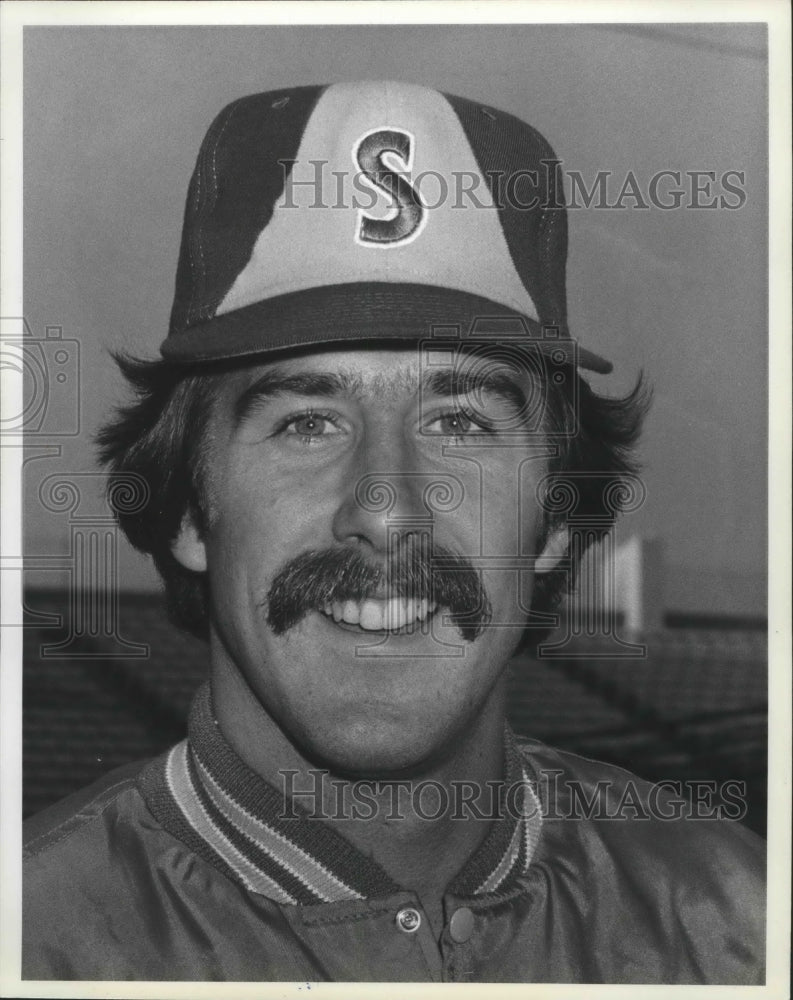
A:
{"points": [[161, 437]]}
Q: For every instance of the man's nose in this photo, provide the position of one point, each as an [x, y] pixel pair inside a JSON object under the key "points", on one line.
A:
{"points": [[384, 495]]}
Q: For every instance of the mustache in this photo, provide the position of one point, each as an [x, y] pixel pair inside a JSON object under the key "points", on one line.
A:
{"points": [[420, 571]]}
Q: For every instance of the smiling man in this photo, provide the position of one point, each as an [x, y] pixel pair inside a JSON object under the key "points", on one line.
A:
{"points": [[367, 398]]}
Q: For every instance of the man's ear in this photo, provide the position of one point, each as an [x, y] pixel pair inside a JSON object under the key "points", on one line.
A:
{"points": [[553, 551], [188, 547]]}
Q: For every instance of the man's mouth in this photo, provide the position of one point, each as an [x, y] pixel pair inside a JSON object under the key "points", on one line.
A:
{"points": [[374, 615]]}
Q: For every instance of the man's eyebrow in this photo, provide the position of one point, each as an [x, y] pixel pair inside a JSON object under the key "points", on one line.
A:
{"points": [[455, 383], [279, 383], [447, 382]]}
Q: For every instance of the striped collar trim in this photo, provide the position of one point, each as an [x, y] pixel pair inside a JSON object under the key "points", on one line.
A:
{"points": [[204, 794]]}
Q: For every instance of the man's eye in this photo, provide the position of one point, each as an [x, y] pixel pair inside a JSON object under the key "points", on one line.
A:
{"points": [[456, 424], [308, 426]]}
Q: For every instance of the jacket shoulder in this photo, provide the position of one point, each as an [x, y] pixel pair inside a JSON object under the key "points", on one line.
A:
{"points": [[58, 822], [87, 881], [649, 848]]}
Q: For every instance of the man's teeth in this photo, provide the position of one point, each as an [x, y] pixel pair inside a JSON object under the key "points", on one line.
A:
{"points": [[374, 615]]}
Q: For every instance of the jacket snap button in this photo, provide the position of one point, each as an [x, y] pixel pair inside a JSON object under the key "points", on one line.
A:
{"points": [[408, 920], [461, 926]]}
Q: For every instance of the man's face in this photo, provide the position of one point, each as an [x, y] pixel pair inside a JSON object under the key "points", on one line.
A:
{"points": [[366, 452]]}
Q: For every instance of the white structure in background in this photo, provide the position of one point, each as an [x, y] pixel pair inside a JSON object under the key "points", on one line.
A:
{"points": [[640, 584], [636, 588]]}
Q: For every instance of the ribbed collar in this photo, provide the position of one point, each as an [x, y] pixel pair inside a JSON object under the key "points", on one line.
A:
{"points": [[204, 794]]}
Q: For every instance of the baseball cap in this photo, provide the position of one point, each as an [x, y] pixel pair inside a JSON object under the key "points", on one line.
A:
{"points": [[368, 211]]}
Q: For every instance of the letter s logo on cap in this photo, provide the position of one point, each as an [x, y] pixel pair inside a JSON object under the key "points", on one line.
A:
{"points": [[372, 153]]}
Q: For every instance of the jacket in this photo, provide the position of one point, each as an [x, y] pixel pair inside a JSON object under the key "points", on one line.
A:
{"points": [[187, 868]]}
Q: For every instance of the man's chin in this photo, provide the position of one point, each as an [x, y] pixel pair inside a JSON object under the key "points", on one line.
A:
{"points": [[408, 740], [371, 760]]}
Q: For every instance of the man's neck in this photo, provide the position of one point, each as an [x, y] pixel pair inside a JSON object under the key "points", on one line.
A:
{"points": [[407, 825]]}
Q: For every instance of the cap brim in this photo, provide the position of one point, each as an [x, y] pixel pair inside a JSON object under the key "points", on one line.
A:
{"points": [[371, 312]]}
